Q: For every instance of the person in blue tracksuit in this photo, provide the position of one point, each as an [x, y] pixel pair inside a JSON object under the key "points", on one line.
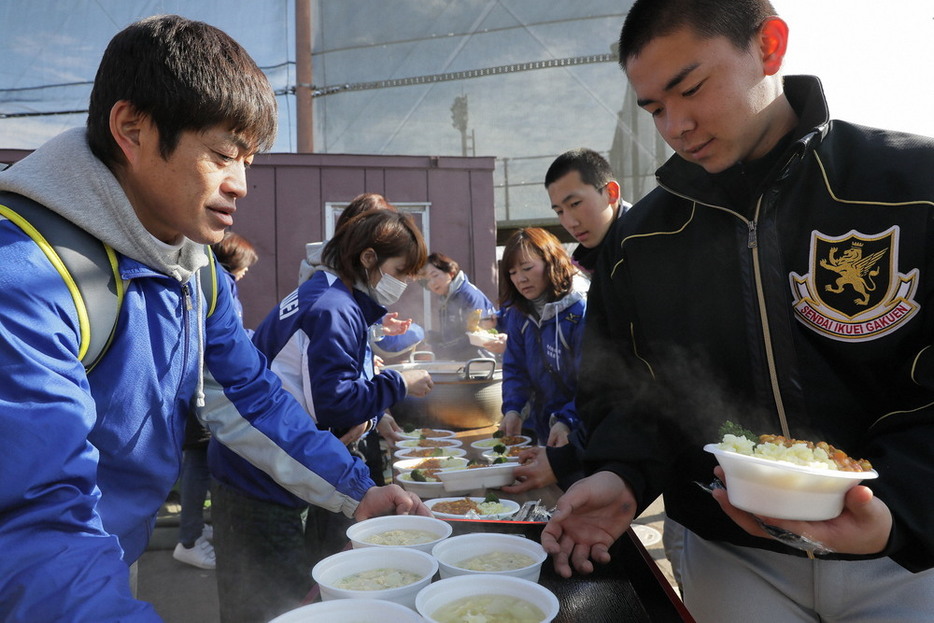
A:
{"points": [[544, 321], [316, 341], [177, 112], [396, 332], [459, 298]]}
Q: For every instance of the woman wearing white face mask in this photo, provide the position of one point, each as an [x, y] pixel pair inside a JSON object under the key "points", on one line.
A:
{"points": [[316, 342]]}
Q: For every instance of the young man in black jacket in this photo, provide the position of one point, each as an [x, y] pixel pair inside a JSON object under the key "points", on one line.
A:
{"points": [[587, 199], [720, 301]]}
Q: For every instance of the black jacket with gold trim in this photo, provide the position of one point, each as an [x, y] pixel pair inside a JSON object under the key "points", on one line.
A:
{"points": [[799, 307]]}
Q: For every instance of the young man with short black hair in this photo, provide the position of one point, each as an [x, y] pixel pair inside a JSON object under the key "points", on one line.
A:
{"points": [[586, 197], [721, 301]]}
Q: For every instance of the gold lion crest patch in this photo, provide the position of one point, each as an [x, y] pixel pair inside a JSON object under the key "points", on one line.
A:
{"points": [[853, 290]]}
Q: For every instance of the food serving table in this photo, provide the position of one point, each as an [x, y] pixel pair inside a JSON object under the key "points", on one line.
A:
{"points": [[629, 589]]}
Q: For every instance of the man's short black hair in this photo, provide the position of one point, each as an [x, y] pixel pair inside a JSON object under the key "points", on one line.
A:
{"points": [[737, 20], [186, 75], [593, 168]]}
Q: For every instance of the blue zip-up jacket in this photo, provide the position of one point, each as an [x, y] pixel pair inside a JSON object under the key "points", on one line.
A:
{"points": [[462, 298], [532, 348], [316, 342], [87, 459]]}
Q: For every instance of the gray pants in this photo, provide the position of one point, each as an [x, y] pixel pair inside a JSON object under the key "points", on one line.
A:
{"points": [[728, 584], [134, 579]]}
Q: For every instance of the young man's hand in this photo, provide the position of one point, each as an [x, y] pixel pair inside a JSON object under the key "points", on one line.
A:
{"points": [[589, 518], [863, 527], [558, 435]]}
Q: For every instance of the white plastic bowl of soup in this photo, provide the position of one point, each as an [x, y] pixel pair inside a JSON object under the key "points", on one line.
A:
{"points": [[411, 531], [351, 610], [452, 600], [394, 574], [487, 552]]}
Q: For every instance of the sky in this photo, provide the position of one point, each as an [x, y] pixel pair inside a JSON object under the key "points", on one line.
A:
{"points": [[873, 57]]}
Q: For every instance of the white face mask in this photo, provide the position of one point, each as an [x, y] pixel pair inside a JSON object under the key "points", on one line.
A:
{"points": [[388, 290]]}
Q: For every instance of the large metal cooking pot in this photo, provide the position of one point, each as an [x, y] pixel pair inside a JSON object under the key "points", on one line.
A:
{"points": [[465, 395]]}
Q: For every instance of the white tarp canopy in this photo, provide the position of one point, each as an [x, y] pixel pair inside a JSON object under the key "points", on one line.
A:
{"points": [[537, 78]]}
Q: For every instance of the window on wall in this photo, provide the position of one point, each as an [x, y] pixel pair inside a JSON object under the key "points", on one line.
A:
{"points": [[416, 302]]}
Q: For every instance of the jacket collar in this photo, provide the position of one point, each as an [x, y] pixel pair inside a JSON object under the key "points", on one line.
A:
{"points": [[586, 258], [459, 280], [553, 309], [371, 310]]}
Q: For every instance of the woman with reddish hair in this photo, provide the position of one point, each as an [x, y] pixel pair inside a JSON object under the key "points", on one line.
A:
{"points": [[544, 319]]}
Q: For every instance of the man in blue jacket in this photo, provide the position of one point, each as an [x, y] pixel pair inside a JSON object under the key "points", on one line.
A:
{"points": [[177, 112]]}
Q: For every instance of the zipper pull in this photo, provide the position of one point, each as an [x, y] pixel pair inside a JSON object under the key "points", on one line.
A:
{"points": [[186, 293], [752, 242]]}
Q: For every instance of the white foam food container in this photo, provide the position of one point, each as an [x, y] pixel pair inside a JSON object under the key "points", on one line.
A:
{"points": [[406, 453], [498, 475], [784, 490], [407, 465], [428, 433], [492, 442], [479, 338], [511, 509], [430, 443], [423, 489]]}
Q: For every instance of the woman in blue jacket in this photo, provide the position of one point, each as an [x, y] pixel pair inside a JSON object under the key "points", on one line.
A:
{"points": [[459, 298], [316, 343], [544, 321]]}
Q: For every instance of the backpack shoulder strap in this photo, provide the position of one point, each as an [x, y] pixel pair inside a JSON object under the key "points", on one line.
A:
{"points": [[209, 282], [87, 266]]}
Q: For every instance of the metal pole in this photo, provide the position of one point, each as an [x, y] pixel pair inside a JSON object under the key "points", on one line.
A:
{"points": [[304, 117], [506, 185]]}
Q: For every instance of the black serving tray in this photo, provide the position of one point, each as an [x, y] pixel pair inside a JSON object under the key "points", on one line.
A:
{"points": [[629, 589]]}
